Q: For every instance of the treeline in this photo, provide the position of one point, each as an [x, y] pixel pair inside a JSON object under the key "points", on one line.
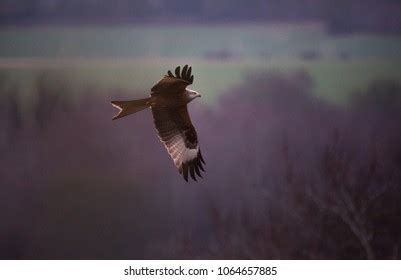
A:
{"points": [[341, 15], [309, 181]]}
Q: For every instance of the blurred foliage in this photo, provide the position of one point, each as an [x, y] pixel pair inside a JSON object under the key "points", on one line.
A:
{"points": [[289, 176], [383, 95]]}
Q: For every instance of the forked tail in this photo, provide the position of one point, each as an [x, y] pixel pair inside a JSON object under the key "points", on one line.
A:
{"points": [[129, 107]]}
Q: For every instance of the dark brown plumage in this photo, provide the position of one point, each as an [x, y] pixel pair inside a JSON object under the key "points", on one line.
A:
{"points": [[168, 101]]}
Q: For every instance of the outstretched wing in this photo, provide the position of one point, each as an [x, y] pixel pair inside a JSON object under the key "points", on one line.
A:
{"points": [[180, 139], [171, 84]]}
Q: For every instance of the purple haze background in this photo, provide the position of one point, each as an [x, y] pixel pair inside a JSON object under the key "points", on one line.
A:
{"points": [[289, 176]]}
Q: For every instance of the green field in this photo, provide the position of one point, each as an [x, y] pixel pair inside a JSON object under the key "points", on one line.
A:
{"points": [[134, 57]]}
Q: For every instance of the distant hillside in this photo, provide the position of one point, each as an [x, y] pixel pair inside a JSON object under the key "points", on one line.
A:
{"points": [[341, 15]]}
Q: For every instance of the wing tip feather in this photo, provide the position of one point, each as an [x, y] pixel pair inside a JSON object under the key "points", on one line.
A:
{"points": [[192, 168], [184, 74]]}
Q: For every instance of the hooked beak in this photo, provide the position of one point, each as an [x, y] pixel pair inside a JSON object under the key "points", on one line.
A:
{"points": [[198, 95]]}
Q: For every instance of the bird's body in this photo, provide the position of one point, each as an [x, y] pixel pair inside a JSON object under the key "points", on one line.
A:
{"points": [[168, 101], [165, 101]]}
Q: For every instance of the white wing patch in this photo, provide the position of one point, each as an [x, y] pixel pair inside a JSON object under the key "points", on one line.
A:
{"points": [[179, 137], [190, 154]]}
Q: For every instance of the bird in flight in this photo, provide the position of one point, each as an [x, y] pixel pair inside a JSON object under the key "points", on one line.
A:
{"points": [[168, 101]]}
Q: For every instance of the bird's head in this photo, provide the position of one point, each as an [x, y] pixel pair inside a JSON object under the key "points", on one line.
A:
{"points": [[192, 94]]}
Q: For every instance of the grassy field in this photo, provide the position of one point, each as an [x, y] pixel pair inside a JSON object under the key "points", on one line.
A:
{"points": [[134, 57]]}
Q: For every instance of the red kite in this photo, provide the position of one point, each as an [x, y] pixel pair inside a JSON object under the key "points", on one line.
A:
{"points": [[168, 101]]}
